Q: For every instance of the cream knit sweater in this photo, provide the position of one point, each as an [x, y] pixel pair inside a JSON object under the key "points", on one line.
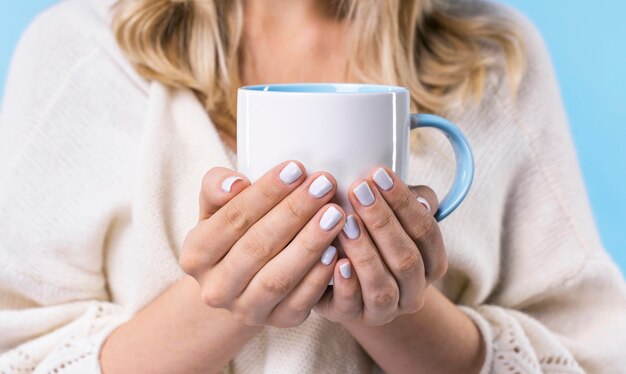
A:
{"points": [[99, 178]]}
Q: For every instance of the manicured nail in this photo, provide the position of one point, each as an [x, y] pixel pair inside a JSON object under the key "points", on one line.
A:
{"points": [[364, 194], [351, 228], [345, 270], [382, 179], [330, 218], [329, 255], [424, 202], [290, 173], [227, 184], [320, 186]]}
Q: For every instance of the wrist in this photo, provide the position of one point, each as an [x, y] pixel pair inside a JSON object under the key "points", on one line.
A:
{"points": [[426, 338], [206, 315], [205, 338]]}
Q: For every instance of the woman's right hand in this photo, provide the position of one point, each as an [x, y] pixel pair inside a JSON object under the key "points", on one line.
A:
{"points": [[263, 250]]}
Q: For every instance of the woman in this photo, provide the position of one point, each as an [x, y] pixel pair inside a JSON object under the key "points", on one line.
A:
{"points": [[117, 116]]}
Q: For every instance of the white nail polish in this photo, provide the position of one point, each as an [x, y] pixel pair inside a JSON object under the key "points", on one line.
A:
{"points": [[364, 194], [351, 228], [330, 218], [290, 173], [382, 179], [345, 270], [329, 255], [424, 202], [320, 186], [227, 184]]}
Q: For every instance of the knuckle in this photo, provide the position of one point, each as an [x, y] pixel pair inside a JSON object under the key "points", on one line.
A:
{"points": [[316, 283], [270, 193], [413, 306], [294, 208], [256, 244], [431, 232], [214, 297], [365, 258], [385, 299], [275, 285], [404, 201], [236, 217], [382, 319], [189, 263], [375, 320], [349, 310], [409, 262], [280, 323], [383, 221], [247, 318], [247, 311], [191, 260], [300, 308], [425, 229], [298, 313], [288, 321], [309, 245]]}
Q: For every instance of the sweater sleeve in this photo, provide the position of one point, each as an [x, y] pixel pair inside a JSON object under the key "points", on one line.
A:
{"points": [[560, 303], [60, 193]]}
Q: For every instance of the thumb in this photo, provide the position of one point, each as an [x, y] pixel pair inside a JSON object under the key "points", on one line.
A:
{"points": [[427, 197], [219, 186]]}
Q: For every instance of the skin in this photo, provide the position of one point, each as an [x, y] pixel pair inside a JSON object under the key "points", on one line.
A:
{"points": [[388, 303]]}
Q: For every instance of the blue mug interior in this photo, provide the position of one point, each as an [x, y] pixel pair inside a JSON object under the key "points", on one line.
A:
{"points": [[325, 87]]}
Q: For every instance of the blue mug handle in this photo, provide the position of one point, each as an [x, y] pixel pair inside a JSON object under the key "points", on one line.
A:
{"points": [[464, 161]]}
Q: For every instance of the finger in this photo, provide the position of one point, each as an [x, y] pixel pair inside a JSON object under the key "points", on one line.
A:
{"points": [[381, 293], [273, 232], [296, 307], [426, 232], [396, 247], [212, 238], [281, 274], [342, 302], [219, 185], [414, 208], [427, 197]]}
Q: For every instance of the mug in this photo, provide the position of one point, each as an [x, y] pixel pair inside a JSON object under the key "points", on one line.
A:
{"points": [[342, 128]]}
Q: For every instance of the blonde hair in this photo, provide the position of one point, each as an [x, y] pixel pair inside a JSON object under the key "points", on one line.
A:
{"points": [[440, 53]]}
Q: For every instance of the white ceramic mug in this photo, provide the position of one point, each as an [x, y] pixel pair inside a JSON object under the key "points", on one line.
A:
{"points": [[344, 129]]}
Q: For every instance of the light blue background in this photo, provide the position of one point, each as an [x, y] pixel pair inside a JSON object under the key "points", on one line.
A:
{"points": [[587, 40]]}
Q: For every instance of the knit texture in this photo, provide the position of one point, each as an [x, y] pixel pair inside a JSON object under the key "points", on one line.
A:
{"points": [[100, 172]]}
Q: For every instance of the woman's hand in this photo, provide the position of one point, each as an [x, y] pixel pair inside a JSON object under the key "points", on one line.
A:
{"points": [[394, 250], [262, 250]]}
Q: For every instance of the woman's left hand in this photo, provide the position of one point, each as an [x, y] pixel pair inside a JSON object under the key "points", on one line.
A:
{"points": [[394, 250]]}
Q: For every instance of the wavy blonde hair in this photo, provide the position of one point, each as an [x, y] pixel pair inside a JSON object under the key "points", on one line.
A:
{"points": [[440, 52]]}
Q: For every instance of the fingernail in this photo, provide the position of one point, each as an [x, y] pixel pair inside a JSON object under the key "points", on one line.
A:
{"points": [[290, 173], [345, 270], [364, 194], [424, 202], [382, 179], [351, 228], [227, 184], [329, 255], [320, 186], [330, 218]]}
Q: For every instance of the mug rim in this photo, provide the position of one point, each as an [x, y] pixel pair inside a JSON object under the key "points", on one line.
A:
{"points": [[324, 88]]}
